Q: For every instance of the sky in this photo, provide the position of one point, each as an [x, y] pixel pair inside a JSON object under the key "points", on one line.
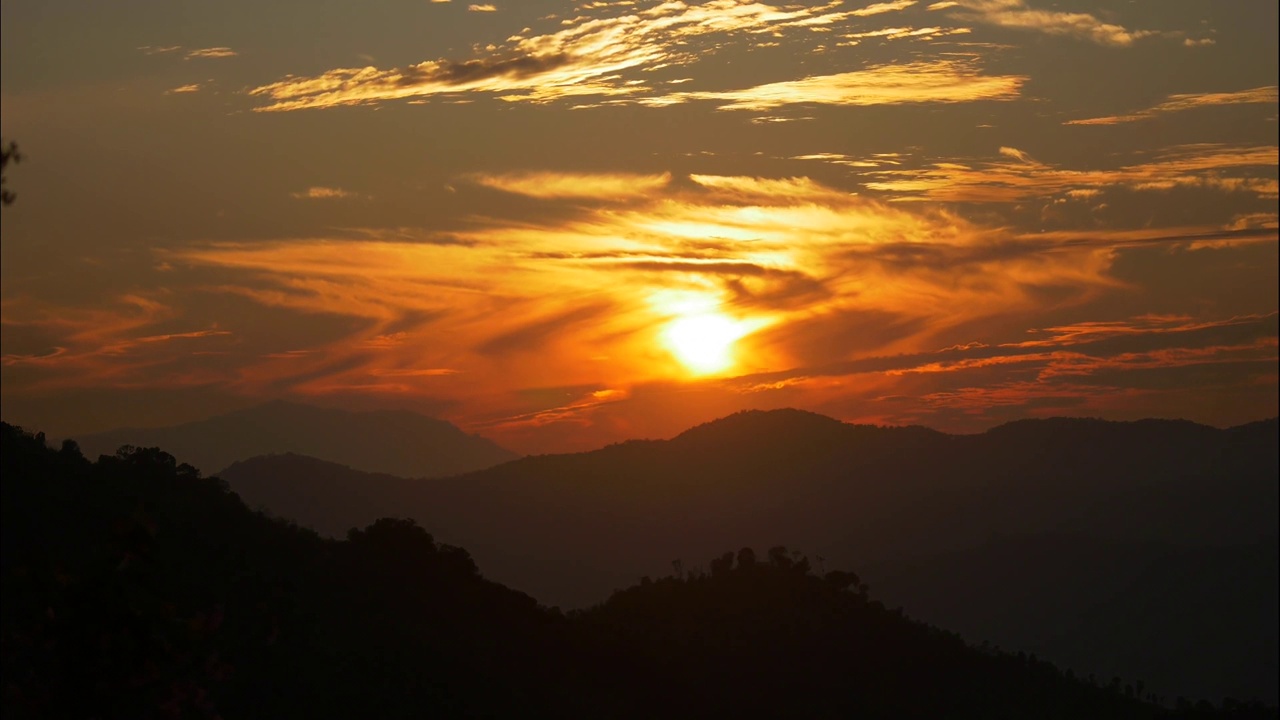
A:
{"points": [[563, 224]]}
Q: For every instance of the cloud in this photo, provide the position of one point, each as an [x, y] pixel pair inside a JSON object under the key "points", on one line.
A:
{"points": [[591, 56], [1217, 167], [550, 185], [1188, 101], [123, 343], [938, 81], [770, 191], [1151, 361], [601, 279], [845, 301], [211, 53], [1096, 331], [898, 33], [486, 8], [1016, 154], [883, 7], [536, 334], [1017, 15], [183, 89], [323, 193]]}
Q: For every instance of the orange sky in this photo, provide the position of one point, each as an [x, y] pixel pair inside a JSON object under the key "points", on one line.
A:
{"points": [[566, 224]]}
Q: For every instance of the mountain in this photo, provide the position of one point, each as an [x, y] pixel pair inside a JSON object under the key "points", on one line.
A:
{"points": [[1140, 497], [135, 588], [388, 441], [325, 496], [852, 494], [1199, 619]]}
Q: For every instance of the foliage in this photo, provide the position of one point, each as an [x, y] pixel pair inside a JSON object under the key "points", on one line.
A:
{"points": [[8, 154]]}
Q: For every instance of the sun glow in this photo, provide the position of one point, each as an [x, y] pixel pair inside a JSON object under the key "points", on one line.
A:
{"points": [[704, 343]]}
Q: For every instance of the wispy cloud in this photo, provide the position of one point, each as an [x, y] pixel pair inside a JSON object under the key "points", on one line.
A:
{"points": [[1188, 101], [117, 344], [939, 81], [1017, 14], [546, 185], [323, 193], [1096, 331], [590, 56], [852, 294], [883, 7], [589, 292], [1216, 167], [211, 53], [899, 33]]}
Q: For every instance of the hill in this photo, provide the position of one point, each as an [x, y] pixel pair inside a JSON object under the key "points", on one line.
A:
{"points": [[388, 441], [1198, 619], [849, 493], [570, 528], [135, 588]]}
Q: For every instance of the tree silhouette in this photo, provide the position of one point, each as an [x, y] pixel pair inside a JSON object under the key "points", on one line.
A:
{"points": [[8, 153]]}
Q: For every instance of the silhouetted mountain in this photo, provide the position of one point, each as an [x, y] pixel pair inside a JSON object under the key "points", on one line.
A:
{"points": [[390, 441], [134, 588], [1200, 621], [569, 528], [333, 498]]}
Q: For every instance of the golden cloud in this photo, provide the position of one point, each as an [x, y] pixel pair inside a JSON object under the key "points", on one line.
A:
{"points": [[938, 81], [1201, 165], [1016, 14], [590, 55], [828, 293], [323, 193], [211, 53], [588, 295], [1188, 101], [548, 185]]}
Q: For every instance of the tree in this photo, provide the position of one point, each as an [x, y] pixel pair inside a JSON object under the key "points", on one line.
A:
{"points": [[8, 153]]}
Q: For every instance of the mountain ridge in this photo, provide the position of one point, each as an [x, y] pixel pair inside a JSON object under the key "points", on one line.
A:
{"points": [[569, 528], [398, 442], [134, 587]]}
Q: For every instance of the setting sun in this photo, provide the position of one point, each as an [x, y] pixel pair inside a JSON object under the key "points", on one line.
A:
{"points": [[704, 343]]}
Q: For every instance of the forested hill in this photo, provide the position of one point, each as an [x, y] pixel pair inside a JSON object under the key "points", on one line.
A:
{"points": [[134, 588]]}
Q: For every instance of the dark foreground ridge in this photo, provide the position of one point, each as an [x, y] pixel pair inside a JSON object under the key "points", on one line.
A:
{"points": [[134, 588]]}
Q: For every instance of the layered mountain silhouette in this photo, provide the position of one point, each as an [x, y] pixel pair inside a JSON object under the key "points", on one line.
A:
{"points": [[390, 441], [1199, 619], [135, 588], [1110, 525]]}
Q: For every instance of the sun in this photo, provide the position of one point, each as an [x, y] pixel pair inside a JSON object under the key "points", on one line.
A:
{"points": [[703, 343]]}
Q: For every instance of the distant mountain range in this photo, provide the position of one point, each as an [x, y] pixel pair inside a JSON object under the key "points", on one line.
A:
{"points": [[929, 518], [135, 588], [389, 441]]}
